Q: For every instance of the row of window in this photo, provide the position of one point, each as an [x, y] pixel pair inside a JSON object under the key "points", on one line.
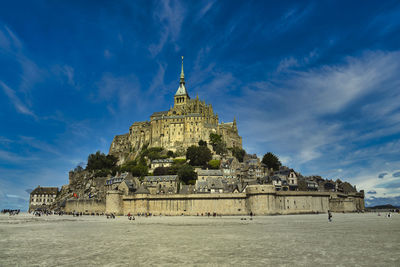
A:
{"points": [[44, 200]]}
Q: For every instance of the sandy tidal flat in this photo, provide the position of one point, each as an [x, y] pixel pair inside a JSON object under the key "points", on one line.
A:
{"points": [[295, 240]]}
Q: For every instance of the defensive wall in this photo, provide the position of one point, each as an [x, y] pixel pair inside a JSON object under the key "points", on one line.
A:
{"points": [[85, 205], [260, 200]]}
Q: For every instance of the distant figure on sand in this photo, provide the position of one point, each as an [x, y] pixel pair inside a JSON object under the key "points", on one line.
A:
{"points": [[329, 216]]}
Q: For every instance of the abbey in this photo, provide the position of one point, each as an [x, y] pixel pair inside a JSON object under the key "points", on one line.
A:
{"points": [[183, 125]]}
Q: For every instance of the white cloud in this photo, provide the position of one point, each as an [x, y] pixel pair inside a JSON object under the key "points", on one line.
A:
{"points": [[16, 101], [170, 14], [8, 156], [107, 54], [158, 80], [292, 17], [124, 89], [287, 63], [29, 72], [207, 6], [301, 115]]}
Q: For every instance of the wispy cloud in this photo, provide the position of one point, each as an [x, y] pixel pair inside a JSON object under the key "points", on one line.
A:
{"points": [[292, 17], [29, 73], [289, 113], [387, 21], [13, 157], [158, 80], [40, 145], [289, 63], [16, 101], [170, 16], [119, 91], [206, 7]]}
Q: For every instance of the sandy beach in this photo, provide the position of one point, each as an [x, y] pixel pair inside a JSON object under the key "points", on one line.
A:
{"points": [[297, 240]]}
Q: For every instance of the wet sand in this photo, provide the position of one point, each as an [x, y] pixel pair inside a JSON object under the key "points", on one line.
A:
{"points": [[296, 240]]}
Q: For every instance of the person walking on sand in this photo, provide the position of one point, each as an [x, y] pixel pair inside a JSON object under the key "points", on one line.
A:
{"points": [[329, 216]]}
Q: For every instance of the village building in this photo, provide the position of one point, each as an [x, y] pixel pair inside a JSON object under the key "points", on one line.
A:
{"points": [[164, 163], [128, 187], [210, 185], [289, 175], [203, 175], [42, 197], [113, 182], [230, 168], [162, 184]]}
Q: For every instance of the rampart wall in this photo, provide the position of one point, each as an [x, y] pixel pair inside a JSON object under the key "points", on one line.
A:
{"points": [[259, 200], [85, 205]]}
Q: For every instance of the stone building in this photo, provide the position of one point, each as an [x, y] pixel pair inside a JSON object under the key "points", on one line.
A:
{"points": [[163, 184], [203, 175], [161, 163], [42, 197], [210, 185], [113, 182], [184, 124], [230, 167], [289, 175]]}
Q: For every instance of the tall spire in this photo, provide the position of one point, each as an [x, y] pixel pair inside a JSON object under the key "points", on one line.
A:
{"points": [[182, 89], [182, 74]]}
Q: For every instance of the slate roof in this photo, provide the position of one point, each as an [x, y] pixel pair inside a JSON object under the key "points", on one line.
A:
{"points": [[210, 184], [129, 184], [209, 172], [45, 191], [181, 90], [159, 113], [161, 178], [142, 190]]}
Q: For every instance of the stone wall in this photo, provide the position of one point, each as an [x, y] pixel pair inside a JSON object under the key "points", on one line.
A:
{"points": [[85, 205], [191, 204], [347, 202], [259, 200]]}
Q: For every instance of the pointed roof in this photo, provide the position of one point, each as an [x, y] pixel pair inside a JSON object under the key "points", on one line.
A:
{"points": [[182, 89]]}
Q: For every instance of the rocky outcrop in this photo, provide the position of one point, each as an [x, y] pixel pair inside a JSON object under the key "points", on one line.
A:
{"points": [[121, 148], [82, 185]]}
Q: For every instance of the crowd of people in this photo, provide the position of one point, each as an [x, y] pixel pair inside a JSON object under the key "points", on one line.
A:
{"points": [[11, 212]]}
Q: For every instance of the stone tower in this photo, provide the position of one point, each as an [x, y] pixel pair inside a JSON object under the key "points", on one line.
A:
{"points": [[181, 96]]}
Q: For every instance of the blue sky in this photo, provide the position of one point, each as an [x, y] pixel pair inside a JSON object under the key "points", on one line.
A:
{"points": [[315, 82]]}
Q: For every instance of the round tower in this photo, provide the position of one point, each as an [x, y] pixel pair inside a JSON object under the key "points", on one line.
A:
{"points": [[114, 202]]}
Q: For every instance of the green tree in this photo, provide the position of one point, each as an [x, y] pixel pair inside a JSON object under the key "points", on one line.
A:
{"points": [[202, 143], [170, 154], [100, 161], [139, 170], [215, 139], [135, 168], [198, 155], [238, 153], [161, 171], [152, 153], [271, 161], [187, 174], [220, 148], [214, 164]]}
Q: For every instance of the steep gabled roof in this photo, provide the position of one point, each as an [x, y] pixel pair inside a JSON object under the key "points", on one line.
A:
{"points": [[45, 191]]}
